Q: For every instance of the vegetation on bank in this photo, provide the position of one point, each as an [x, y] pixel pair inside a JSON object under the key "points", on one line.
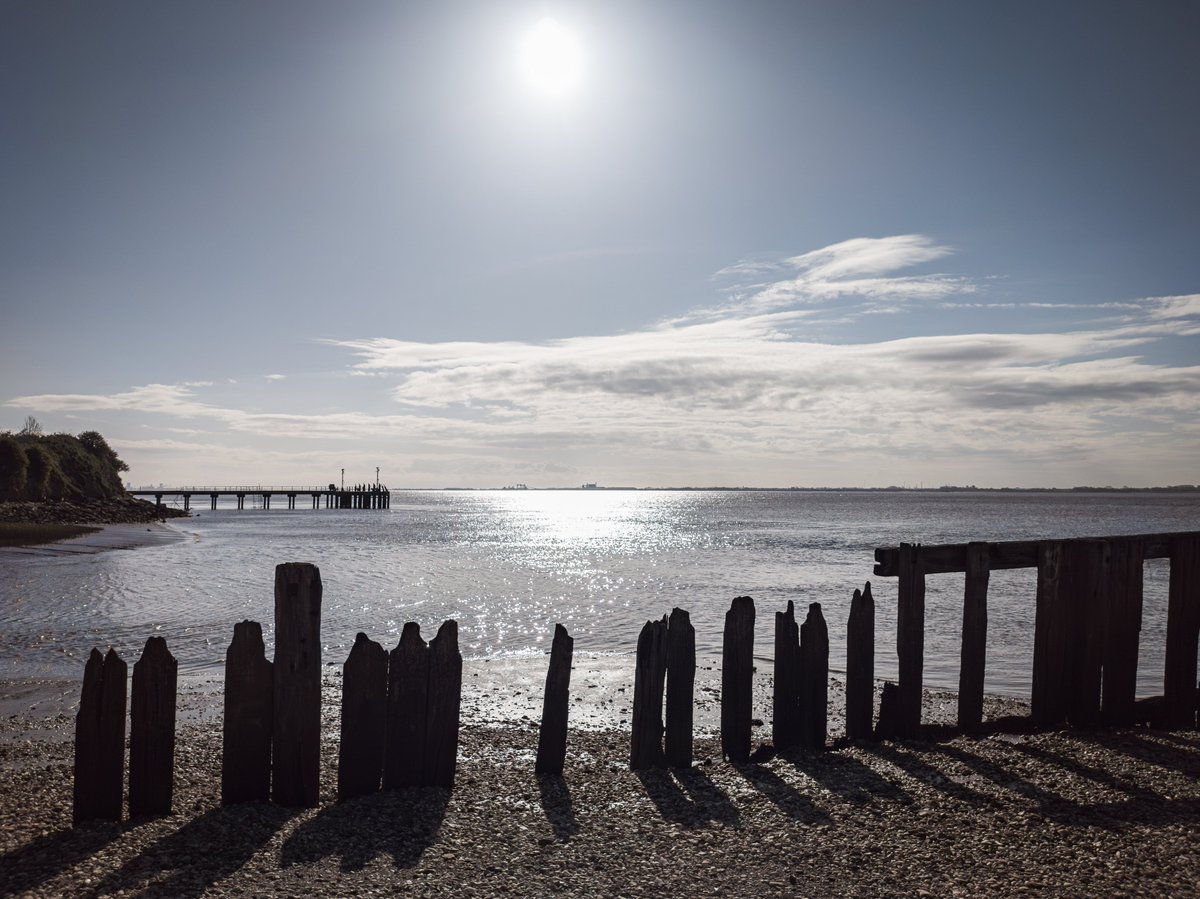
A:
{"points": [[36, 467], [23, 534]]}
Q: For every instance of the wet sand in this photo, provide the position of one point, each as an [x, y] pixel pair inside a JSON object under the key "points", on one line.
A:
{"points": [[109, 537]]}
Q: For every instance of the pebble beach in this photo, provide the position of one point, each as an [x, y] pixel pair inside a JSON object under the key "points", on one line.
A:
{"points": [[1065, 813]]}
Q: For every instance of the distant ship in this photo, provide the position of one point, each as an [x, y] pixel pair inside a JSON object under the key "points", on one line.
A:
{"points": [[591, 486]]}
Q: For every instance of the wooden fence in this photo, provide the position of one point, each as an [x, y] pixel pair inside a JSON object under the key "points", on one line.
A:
{"points": [[400, 710]]}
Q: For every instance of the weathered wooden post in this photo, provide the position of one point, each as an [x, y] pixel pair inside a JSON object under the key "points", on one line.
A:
{"points": [[1048, 696], [1119, 688], [888, 726], [972, 659], [737, 672], [364, 719], [1087, 568], [1183, 627], [681, 681], [860, 665], [296, 736], [443, 707], [646, 748], [249, 703], [152, 731], [408, 695], [814, 679], [552, 737], [100, 739], [785, 707], [910, 638]]}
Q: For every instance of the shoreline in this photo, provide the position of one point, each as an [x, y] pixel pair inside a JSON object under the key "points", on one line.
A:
{"points": [[1056, 813], [129, 535]]}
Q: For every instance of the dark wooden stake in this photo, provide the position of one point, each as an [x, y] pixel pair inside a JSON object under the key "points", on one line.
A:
{"points": [[646, 747], [1048, 698], [152, 730], [860, 665], [910, 638], [972, 660], [296, 738], [408, 695], [785, 707], [100, 740], [364, 719], [814, 679], [1085, 565], [889, 713], [552, 738], [1119, 689], [1183, 626], [249, 701], [443, 708], [737, 672], [681, 682]]}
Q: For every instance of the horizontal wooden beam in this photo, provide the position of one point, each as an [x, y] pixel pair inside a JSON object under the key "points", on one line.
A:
{"points": [[951, 557]]}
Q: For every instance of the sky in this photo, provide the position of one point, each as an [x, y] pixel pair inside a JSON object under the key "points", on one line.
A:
{"points": [[640, 244]]}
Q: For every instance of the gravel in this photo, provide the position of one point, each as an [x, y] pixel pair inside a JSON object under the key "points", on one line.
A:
{"points": [[1110, 813]]}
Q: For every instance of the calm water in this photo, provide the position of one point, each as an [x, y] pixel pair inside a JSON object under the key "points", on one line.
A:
{"points": [[509, 564]]}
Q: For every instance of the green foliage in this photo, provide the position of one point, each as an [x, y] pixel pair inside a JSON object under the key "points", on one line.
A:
{"points": [[14, 468], [59, 466]]}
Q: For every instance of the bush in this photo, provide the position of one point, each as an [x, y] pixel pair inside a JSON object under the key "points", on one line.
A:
{"points": [[40, 465]]}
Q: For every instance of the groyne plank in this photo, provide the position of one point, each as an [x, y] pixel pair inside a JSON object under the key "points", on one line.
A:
{"points": [[910, 638], [1183, 627], [785, 707], [296, 735], [1125, 585], [443, 708], [681, 683], [247, 725], [408, 695], [973, 654], [100, 740], [646, 743], [364, 719], [737, 673], [1051, 640], [152, 730], [860, 665], [814, 679], [552, 736]]}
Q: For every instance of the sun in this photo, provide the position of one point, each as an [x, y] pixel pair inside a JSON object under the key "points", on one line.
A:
{"points": [[551, 58]]}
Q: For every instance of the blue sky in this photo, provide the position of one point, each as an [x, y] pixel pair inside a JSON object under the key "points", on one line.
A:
{"points": [[765, 244]]}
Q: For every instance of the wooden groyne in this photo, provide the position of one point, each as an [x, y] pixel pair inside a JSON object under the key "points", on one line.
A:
{"points": [[400, 711], [1088, 618]]}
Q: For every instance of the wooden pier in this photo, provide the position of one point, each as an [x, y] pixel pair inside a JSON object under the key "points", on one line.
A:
{"points": [[359, 496]]}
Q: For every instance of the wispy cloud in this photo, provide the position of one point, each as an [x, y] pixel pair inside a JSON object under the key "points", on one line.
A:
{"points": [[736, 389]]}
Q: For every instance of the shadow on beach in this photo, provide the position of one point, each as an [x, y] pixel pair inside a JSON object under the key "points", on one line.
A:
{"points": [[688, 797], [556, 803], [27, 867], [399, 823]]}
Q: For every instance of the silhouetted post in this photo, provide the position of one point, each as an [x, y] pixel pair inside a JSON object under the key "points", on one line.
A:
{"points": [[681, 682], [1119, 688], [249, 703], [785, 729], [814, 679], [1183, 626], [910, 638], [443, 707], [737, 672], [152, 731], [1086, 564], [408, 694], [889, 713], [552, 738], [972, 659], [100, 739], [364, 719], [1048, 697], [651, 670], [860, 665], [296, 738]]}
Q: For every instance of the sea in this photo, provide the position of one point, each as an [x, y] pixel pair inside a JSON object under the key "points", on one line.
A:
{"points": [[510, 564]]}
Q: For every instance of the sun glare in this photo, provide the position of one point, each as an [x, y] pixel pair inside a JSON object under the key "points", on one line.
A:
{"points": [[551, 59]]}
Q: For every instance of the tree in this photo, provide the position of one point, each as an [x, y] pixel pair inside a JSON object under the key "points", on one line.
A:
{"points": [[33, 427], [14, 468], [95, 444]]}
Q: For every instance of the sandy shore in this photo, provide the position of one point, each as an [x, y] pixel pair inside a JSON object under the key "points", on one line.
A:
{"points": [[109, 537], [1054, 814]]}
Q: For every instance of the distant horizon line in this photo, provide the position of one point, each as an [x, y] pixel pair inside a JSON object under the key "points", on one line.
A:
{"points": [[946, 488]]}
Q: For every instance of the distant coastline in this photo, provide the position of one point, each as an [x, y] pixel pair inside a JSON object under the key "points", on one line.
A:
{"points": [[1175, 488]]}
